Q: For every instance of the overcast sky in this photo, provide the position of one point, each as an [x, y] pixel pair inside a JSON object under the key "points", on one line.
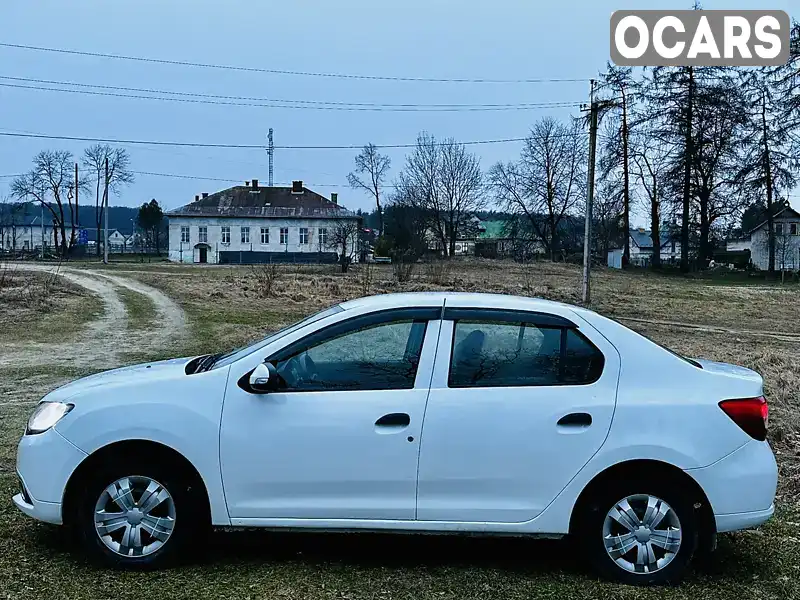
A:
{"points": [[501, 39]]}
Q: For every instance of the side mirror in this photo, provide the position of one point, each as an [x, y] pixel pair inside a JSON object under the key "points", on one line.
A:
{"points": [[264, 378]]}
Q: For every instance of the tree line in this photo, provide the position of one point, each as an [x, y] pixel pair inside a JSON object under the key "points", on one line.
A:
{"points": [[695, 148]]}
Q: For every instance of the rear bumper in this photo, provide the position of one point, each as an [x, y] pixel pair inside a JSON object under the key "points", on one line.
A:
{"points": [[748, 520], [741, 487]]}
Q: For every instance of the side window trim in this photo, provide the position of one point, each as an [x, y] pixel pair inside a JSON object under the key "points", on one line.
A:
{"points": [[342, 327], [502, 315]]}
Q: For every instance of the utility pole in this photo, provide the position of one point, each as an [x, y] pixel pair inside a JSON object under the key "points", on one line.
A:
{"points": [[77, 212], [587, 234], [105, 202], [271, 154], [41, 223]]}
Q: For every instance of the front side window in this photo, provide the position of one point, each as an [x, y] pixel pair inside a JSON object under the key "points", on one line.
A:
{"points": [[322, 233], [304, 235], [202, 234], [505, 354], [793, 229], [284, 235], [245, 235], [374, 357], [265, 235], [226, 235], [184, 234], [778, 228]]}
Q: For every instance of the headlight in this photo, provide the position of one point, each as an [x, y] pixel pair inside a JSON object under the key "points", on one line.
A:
{"points": [[46, 415]]}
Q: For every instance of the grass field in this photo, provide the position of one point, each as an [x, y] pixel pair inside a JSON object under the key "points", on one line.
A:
{"points": [[746, 322]]}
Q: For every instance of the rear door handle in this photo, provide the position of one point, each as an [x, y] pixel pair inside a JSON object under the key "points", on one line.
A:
{"points": [[394, 421], [575, 420]]}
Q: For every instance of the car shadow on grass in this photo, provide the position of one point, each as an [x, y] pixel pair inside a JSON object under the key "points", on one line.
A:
{"points": [[738, 558]]}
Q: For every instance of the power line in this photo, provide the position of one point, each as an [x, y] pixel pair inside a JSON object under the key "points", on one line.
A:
{"points": [[184, 63], [260, 146], [312, 103], [260, 105]]}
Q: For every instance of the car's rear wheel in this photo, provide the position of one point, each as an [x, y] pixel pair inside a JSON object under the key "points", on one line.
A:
{"points": [[640, 532], [136, 516]]}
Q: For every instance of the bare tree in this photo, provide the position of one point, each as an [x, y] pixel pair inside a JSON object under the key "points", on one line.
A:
{"points": [[651, 162], [462, 189], [370, 174], [119, 175], [617, 156], [443, 182], [548, 183], [343, 237], [767, 162], [418, 184], [51, 176]]}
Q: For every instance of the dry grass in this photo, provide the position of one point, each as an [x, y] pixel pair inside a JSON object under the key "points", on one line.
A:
{"points": [[225, 309], [41, 307]]}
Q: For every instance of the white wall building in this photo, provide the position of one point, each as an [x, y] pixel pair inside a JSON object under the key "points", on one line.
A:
{"points": [[641, 244], [26, 234], [252, 224], [787, 242]]}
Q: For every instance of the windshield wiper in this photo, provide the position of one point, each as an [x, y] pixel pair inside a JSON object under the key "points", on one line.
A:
{"points": [[206, 363]]}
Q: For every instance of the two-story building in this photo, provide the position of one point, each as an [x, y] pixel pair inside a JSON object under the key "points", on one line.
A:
{"points": [[257, 224], [787, 241], [25, 233]]}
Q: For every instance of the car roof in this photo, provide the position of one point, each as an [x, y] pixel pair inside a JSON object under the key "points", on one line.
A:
{"points": [[458, 299]]}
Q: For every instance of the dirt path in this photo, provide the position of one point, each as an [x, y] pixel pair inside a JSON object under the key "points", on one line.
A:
{"points": [[784, 337], [106, 339]]}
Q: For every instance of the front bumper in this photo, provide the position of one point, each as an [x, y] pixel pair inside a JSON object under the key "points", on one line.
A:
{"points": [[47, 512], [45, 463]]}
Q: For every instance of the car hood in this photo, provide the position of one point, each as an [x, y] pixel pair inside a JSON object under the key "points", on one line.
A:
{"points": [[120, 377]]}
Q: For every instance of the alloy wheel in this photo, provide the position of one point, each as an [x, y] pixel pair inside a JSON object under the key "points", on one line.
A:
{"points": [[134, 516]]}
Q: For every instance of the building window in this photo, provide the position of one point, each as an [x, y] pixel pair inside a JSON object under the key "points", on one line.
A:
{"points": [[284, 235], [322, 234], [304, 235], [265, 235], [245, 235], [793, 229], [185, 234], [226, 235], [778, 228], [202, 235]]}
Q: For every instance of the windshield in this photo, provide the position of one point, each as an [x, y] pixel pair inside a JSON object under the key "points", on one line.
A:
{"points": [[234, 355]]}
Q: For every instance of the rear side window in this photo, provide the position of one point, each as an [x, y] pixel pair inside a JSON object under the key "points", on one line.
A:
{"points": [[505, 354]]}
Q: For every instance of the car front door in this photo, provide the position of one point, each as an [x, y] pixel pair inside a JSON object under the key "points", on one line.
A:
{"points": [[519, 403], [339, 438]]}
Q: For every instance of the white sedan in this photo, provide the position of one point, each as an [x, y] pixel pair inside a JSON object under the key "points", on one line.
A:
{"points": [[436, 412]]}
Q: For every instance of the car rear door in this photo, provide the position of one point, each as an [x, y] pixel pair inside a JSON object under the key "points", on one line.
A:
{"points": [[519, 402], [340, 438]]}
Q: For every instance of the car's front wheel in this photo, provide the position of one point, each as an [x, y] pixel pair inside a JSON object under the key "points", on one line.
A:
{"points": [[135, 516], [640, 533]]}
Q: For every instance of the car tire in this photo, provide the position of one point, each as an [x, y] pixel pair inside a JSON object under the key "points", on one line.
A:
{"points": [[612, 537], [151, 504]]}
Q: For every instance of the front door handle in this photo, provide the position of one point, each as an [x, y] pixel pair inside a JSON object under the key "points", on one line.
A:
{"points": [[395, 420], [575, 420]]}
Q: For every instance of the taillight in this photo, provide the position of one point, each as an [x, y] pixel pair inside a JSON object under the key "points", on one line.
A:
{"points": [[751, 414]]}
